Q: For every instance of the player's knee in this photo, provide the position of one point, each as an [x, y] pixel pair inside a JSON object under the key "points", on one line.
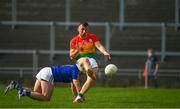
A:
{"points": [[91, 79], [47, 98], [86, 60], [83, 60]]}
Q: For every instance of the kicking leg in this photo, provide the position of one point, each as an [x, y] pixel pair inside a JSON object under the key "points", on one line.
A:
{"points": [[87, 68]]}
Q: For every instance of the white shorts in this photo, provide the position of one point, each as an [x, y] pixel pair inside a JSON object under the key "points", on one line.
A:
{"points": [[45, 74], [92, 62]]}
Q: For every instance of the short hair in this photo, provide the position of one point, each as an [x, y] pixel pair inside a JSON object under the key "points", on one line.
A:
{"points": [[85, 24]]}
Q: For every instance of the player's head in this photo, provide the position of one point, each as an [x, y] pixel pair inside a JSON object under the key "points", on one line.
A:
{"points": [[150, 52], [83, 28]]}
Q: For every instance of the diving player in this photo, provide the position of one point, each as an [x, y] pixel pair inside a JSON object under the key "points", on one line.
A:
{"points": [[46, 78]]}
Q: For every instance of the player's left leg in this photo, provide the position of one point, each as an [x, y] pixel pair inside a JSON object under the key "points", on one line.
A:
{"points": [[86, 86], [91, 76], [11, 86], [89, 82]]}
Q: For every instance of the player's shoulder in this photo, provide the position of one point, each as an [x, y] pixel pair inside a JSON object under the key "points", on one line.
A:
{"points": [[93, 37]]}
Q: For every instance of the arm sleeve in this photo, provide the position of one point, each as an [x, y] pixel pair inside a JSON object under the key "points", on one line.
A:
{"points": [[75, 74]]}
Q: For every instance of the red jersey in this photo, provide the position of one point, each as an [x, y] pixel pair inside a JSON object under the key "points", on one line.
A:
{"points": [[86, 45]]}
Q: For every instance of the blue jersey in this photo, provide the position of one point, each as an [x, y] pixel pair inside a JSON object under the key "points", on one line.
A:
{"points": [[65, 73]]}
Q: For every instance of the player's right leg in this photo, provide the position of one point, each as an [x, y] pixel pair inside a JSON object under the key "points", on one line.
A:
{"points": [[86, 67], [42, 91], [37, 86]]}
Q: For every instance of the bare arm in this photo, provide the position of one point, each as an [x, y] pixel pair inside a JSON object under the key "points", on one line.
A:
{"points": [[73, 89], [76, 87], [101, 48]]}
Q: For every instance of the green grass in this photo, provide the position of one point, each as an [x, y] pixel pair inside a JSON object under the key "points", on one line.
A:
{"points": [[100, 98]]}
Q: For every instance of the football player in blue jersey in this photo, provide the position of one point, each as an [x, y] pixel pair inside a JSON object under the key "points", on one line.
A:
{"points": [[46, 78]]}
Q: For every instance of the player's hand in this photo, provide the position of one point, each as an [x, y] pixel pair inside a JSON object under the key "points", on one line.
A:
{"points": [[74, 52], [79, 99], [107, 55]]}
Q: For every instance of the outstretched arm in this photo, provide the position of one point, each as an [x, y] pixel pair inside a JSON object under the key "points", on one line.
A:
{"points": [[101, 48], [76, 87]]}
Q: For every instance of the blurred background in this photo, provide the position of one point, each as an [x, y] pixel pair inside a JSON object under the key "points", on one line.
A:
{"points": [[36, 33]]}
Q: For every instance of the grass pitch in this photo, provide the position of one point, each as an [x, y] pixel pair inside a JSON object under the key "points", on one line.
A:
{"points": [[100, 98]]}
